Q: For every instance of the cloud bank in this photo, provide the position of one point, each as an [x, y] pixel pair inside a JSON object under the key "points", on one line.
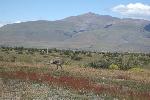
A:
{"points": [[136, 10]]}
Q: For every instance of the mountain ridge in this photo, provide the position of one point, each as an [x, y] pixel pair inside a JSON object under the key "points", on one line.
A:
{"points": [[88, 31]]}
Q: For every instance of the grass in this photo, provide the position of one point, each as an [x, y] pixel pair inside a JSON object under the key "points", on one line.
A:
{"points": [[92, 73], [82, 82], [26, 90], [99, 81], [79, 84]]}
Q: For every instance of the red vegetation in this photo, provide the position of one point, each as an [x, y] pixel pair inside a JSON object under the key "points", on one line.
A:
{"points": [[76, 83]]}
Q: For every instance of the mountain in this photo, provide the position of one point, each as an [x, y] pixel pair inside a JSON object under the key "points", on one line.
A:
{"points": [[88, 31]]}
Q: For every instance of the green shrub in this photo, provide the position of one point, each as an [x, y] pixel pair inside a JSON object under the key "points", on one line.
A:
{"points": [[99, 64], [77, 58], [19, 52], [136, 69], [113, 66], [93, 65]]}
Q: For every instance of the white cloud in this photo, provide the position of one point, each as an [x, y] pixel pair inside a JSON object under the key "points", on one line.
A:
{"points": [[137, 10], [1, 25], [17, 22]]}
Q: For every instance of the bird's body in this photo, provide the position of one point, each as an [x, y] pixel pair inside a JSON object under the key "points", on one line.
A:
{"points": [[57, 61]]}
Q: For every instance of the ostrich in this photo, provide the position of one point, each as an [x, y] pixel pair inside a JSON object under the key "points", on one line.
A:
{"points": [[57, 61]]}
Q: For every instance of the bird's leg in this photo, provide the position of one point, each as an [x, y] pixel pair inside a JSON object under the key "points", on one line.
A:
{"points": [[57, 67], [61, 66]]}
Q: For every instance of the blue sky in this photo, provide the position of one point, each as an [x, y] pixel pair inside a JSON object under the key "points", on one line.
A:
{"points": [[25, 10]]}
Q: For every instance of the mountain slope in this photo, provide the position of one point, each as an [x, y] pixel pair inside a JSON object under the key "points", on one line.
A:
{"points": [[87, 31]]}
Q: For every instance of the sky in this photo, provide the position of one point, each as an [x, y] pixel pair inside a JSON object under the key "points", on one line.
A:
{"points": [[15, 11]]}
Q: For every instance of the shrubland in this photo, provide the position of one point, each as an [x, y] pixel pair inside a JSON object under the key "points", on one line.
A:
{"points": [[101, 74]]}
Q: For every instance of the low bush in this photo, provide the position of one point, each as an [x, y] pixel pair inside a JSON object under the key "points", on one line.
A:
{"points": [[136, 69], [114, 67], [99, 64], [77, 58]]}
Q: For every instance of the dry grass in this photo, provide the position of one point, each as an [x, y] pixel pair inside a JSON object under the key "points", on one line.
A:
{"points": [[79, 84], [26, 90], [117, 82], [143, 76]]}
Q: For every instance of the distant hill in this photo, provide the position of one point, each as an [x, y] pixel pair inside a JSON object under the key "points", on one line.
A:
{"points": [[87, 31]]}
